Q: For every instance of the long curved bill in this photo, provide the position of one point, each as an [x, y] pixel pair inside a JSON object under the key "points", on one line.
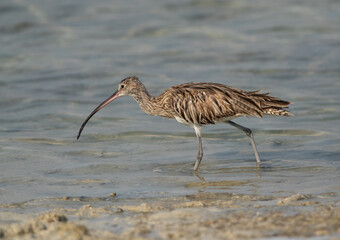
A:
{"points": [[103, 104]]}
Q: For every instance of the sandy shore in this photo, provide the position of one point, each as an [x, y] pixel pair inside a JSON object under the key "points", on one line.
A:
{"points": [[198, 216]]}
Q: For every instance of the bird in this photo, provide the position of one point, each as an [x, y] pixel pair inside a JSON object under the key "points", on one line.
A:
{"points": [[196, 104]]}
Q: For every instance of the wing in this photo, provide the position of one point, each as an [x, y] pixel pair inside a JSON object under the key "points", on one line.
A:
{"points": [[206, 103]]}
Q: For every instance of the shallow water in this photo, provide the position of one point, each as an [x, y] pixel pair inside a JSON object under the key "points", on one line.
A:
{"points": [[60, 59]]}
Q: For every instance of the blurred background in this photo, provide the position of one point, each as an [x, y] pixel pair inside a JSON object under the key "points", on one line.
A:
{"points": [[60, 59]]}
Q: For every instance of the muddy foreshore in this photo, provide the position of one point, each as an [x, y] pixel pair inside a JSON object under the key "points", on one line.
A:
{"points": [[198, 216]]}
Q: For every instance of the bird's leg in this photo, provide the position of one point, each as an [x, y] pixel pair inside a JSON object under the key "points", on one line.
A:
{"points": [[200, 150], [249, 133]]}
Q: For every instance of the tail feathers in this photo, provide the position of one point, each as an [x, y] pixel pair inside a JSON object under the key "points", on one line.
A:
{"points": [[277, 111], [272, 105]]}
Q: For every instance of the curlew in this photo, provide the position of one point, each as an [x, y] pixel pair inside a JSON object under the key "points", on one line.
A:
{"points": [[198, 104]]}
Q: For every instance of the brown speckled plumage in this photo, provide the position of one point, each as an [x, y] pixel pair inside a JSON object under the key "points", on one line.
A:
{"points": [[197, 104], [208, 103], [205, 103]]}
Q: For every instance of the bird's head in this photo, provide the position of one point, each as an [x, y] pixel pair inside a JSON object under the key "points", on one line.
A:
{"points": [[128, 86]]}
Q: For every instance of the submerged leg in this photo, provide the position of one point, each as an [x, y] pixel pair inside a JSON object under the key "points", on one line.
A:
{"points": [[250, 135], [200, 150]]}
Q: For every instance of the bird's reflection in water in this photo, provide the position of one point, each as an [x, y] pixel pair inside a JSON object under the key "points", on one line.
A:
{"points": [[228, 184]]}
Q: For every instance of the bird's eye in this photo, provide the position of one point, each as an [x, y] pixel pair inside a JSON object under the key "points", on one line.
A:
{"points": [[122, 86]]}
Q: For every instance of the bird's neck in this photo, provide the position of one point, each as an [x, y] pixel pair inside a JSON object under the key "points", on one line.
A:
{"points": [[151, 105], [145, 101]]}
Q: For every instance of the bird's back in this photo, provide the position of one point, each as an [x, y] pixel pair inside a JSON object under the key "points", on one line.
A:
{"points": [[208, 103]]}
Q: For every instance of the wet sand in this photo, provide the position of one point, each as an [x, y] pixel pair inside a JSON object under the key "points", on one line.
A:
{"points": [[197, 216]]}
